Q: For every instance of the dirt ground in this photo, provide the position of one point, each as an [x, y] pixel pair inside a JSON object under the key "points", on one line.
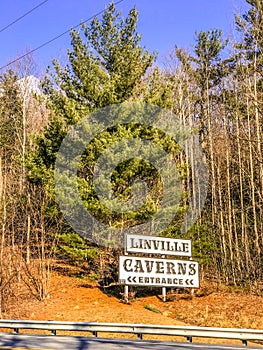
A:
{"points": [[77, 299]]}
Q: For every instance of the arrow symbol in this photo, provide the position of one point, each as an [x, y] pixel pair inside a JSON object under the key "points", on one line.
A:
{"points": [[131, 279], [189, 282]]}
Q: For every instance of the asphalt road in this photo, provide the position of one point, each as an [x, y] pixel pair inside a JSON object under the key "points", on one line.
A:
{"points": [[40, 342]]}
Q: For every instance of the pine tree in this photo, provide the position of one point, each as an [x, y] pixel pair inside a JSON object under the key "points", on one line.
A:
{"points": [[105, 65]]}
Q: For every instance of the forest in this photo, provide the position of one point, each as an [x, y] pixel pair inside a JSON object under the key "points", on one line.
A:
{"points": [[216, 89]]}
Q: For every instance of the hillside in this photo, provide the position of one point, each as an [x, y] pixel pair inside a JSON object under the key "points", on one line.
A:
{"points": [[78, 299]]}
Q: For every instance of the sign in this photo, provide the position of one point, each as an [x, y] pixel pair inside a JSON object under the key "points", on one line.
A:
{"points": [[158, 245], [158, 272]]}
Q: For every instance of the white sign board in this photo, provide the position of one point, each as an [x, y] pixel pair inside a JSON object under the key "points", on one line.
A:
{"points": [[158, 272], [158, 245]]}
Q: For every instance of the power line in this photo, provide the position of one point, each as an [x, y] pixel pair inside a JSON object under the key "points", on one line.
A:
{"points": [[24, 15], [57, 37]]}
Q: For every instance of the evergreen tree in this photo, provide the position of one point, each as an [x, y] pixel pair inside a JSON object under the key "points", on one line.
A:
{"points": [[106, 65], [250, 25]]}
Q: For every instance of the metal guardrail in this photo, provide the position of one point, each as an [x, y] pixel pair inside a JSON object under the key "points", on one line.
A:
{"points": [[188, 332]]}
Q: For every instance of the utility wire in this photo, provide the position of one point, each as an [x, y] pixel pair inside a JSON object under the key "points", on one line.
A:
{"points": [[57, 37], [24, 15]]}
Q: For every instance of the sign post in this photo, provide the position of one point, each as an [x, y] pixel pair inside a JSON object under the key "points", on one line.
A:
{"points": [[164, 293]]}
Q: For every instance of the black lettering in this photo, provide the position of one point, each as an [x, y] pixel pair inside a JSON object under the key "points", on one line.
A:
{"points": [[192, 270], [169, 281], [132, 244], [185, 247], [181, 268], [127, 262], [170, 268], [158, 280], [156, 244], [147, 244], [159, 267], [163, 281], [171, 248], [140, 279], [149, 265], [138, 266], [177, 249], [181, 281]]}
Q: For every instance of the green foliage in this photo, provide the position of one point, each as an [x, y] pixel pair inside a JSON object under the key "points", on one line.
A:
{"points": [[209, 46], [10, 114], [249, 48], [152, 308], [106, 65], [124, 175], [204, 243], [209, 66], [160, 88], [116, 41], [250, 26], [76, 248], [93, 277]]}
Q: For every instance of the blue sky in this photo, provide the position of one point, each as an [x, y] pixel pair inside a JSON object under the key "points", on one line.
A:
{"points": [[162, 23]]}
